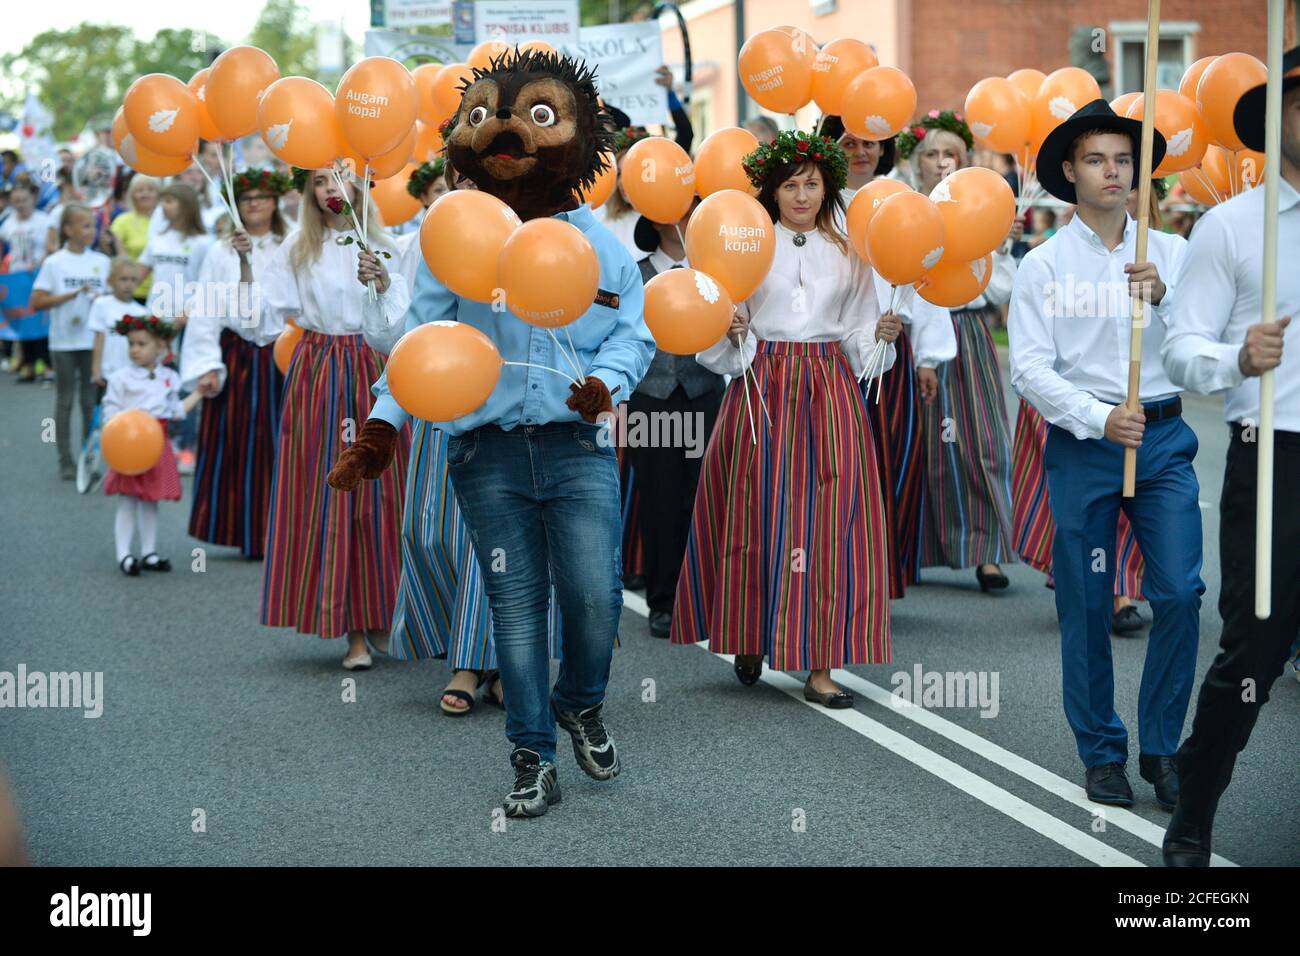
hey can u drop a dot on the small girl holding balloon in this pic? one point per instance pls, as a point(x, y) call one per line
point(149, 386)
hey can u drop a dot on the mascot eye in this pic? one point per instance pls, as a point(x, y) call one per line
point(543, 115)
point(477, 115)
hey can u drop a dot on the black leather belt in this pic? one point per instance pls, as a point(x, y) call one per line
point(1155, 413)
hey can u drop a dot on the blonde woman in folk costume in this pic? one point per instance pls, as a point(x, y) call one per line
point(332, 561)
point(786, 556)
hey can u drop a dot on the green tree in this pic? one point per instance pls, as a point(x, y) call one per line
point(285, 31)
point(182, 53)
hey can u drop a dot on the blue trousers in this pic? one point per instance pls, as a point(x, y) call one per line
point(541, 503)
point(1085, 483)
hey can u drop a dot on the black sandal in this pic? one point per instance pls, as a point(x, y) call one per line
point(832, 700)
point(748, 675)
point(130, 566)
point(159, 564)
point(463, 696)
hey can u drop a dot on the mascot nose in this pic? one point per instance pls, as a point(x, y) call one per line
point(503, 114)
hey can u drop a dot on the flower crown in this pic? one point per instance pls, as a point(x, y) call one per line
point(625, 137)
point(272, 180)
point(298, 178)
point(948, 120)
point(145, 323)
point(793, 148)
point(423, 176)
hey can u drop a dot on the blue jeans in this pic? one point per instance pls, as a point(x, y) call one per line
point(1085, 482)
point(542, 504)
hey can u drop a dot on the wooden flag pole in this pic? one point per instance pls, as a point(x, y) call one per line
point(1138, 319)
point(1268, 313)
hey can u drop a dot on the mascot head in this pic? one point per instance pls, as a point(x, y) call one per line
point(531, 132)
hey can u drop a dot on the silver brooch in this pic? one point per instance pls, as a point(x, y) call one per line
point(799, 239)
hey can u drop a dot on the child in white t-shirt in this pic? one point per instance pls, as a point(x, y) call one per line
point(110, 351)
point(176, 253)
point(66, 285)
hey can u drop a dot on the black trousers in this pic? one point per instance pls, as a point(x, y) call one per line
point(666, 479)
point(1252, 653)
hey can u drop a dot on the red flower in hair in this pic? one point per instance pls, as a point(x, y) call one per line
point(817, 157)
point(918, 132)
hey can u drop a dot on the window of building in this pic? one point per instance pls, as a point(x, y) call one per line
point(1177, 51)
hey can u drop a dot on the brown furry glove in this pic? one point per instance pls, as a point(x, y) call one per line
point(592, 399)
point(368, 458)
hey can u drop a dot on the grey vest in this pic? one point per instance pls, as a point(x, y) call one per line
point(667, 371)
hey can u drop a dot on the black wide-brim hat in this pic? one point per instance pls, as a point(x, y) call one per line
point(1248, 117)
point(645, 234)
point(833, 127)
point(1096, 115)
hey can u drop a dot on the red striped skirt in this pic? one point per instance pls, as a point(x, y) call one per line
point(162, 482)
point(332, 558)
point(1034, 527)
point(238, 435)
point(786, 554)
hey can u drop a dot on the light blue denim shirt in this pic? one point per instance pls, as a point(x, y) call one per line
point(612, 344)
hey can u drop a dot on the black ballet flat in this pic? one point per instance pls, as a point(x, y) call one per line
point(130, 566)
point(832, 700)
point(991, 582)
point(159, 564)
point(748, 675)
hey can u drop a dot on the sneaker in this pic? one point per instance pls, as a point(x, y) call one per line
point(42, 368)
point(185, 462)
point(537, 785)
point(592, 745)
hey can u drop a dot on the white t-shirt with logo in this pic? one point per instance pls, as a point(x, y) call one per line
point(66, 271)
point(105, 312)
point(175, 260)
point(26, 240)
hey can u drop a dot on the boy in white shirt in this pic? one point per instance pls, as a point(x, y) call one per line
point(1070, 336)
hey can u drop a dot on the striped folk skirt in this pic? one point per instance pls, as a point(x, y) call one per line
point(442, 607)
point(332, 558)
point(967, 442)
point(786, 553)
point(896, 429)
point(1034, 526)
point(630, 508)
point(238, 435)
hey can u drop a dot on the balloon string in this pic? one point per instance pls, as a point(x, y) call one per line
point(563, 354)
point(744, 384)
point(1207, 183)
point(228, 172)
point(576, 363)
point(356, 227)
point(758, 394)
point(544, 367)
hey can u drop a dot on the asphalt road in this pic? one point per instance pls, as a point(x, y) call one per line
point(204, 710)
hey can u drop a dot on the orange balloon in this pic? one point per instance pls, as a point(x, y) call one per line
point(905, 237)
point(162, 115)
point(1194, 184)
point(131, 442)
point(428, 143)
point(296, 121)
point(776, 69)
point(604, 185)
point(1028, 81)
point(998, 114)
point(1220, 86)
point(443, 370)
point(718, 161)
point(537, 46)
point(447, 89)
point(686, 311)
point(394, 203)
point(878, 103)
point(1187, 86)
point(954, 283)
point(978, 208)
point(835, 66)
point(659, 179)
point(385, 166)
point(1063, 92)
point(533, 257)
point(150, 163)
point(1179, 122)
point(461, 238)
point(236, 81)
point(1249, 169)
point(1232, 173)
point(119, 131)
point(731, 237)
point(864, 205)
point(487, 51)
point(1121, 103)
point(375, 105)
point(426, 76)
point(198, 85)
point(285, 344)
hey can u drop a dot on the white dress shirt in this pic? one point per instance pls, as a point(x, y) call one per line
point(1220, 293)
point(813, 293)
point(156, 391)
point(1069, 325)
point(929, 326)
point(324, 296)
point(219, 305)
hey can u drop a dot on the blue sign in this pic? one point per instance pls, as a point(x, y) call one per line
point(18, 323)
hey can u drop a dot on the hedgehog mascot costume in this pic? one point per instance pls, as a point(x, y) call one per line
point(535, 477)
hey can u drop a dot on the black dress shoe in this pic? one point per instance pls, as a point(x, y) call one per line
point(748, 674)
point(1160, 773)
point(991, 582)
point(661, 623)
point(1127, 620)
point(1186, 844)
point(634, 582)
point(1108, 784)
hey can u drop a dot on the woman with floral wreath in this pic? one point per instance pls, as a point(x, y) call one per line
point(967, 436)
point(786, 557)
point(220, 358)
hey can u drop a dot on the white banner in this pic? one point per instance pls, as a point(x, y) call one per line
point(414, 13)
point(554, 21)
point(412, 49)
point(626, 56)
